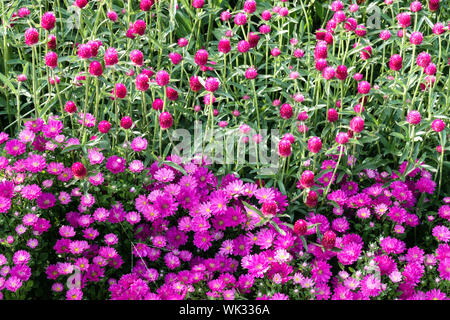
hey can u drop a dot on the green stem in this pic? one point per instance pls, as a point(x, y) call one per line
point(334, 173)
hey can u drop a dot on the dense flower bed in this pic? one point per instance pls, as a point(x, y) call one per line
point(192, 235)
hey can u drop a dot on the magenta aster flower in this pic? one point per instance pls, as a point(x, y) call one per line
point(139, 144)
point(115, 164)
point(35, 163)
point(46, 200)
point(14, 147)
point(31, 192)
point(164, 175)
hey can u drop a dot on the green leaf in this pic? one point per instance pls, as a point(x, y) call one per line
point(8, 83)
point(252, 208)
point(176, 167)
point(277, 228)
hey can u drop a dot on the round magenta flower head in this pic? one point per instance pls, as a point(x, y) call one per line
point(423, 59)
point(299, 53)
point(321, 64)
point(321, 50)
point(126, 122)
point(209, 99)
point(431, 69)
point(139, 27)
point(275, 52)
point(341, 72)
point(289, 136)
point(433, 5)
point(112, 15)
point(51, 59)
point(353, 8)
point(307, 179)
point(329, 240)
point(250, 6)
point(283, 11)
point(79, 170)
point(415, 6)
point(396, 62)
point(251, 73)
point(243, 46)
point(81, 3)
point(302, 116)
point(162, 78)
point(171, 93)
point(286, 111)
point(416, 38)
point(264, 29)
point(182, 42)
point(23, 12)
point(351, 24)
point(146, 5)
point(104, 126)
point(385, 35)
point(212, 84)
point(120, 90)
point(165, 120)
point(95, 68)
point(253, 39)
point(240, 19)
point(94, 44)
point(198, 4)
point(339, 16)
point(84, 51)
point(438, 125)
point(357, 124)
point(284, 148)
point(404, 19)
point(332, 115)
point(48, 21)
point(360, 30)
point(195, 84)
point(311, 199)
point(175, 57)
point(366, 53)
point(438, 28)
point(364, 87)
point(337, 5)
point(413, 117)
point(137, 57)
point(142, 82)
point(314, 144)
point(224, 45)
point(51, 44)
point(111, 57)
point(31, 36)
point(358, 76)
point(429, 81)
point(269, 208)
point(300, 227)
point(201, 57)
point(70, 107)
point(266, 15)
point(21, 77)
point(225, 15)
point(329, 73)
point(158, 104)
point(342, 138)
